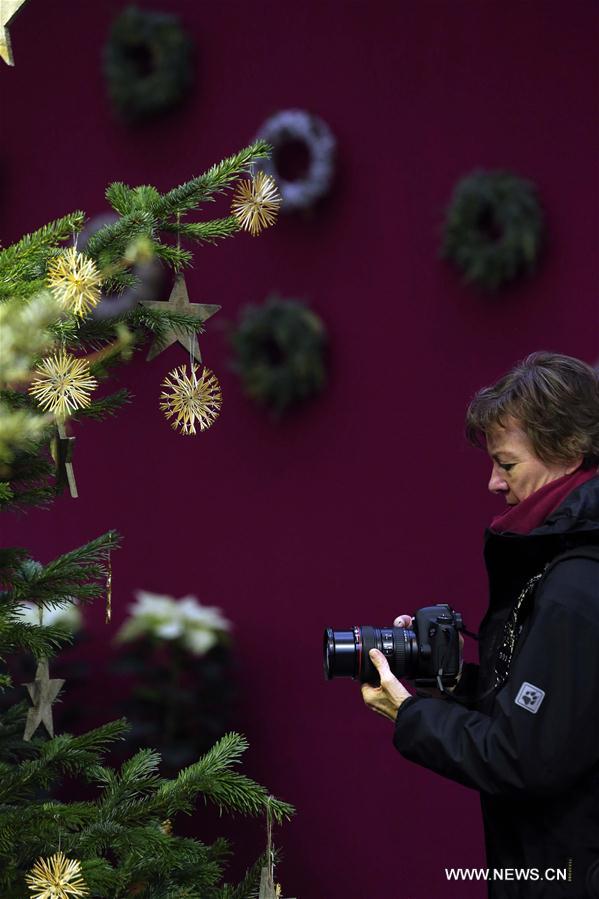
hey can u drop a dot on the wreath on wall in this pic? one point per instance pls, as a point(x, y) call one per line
point(147, 64)
point(295, 126)
point(280, 353)
point(494, 228)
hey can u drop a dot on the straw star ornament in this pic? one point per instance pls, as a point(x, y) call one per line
point(62, 384)
point(256, 203)
point(58, 877)
point(75, 282)
point(188, 400)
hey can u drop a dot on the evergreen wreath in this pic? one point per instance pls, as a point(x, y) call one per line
point(280, 349)
point(494, 228)
point(147, 63)
point(300, 127)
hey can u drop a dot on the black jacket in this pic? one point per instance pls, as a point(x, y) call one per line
point(531, 746)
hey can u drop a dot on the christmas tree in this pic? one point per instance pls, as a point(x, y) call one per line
point(71, 306)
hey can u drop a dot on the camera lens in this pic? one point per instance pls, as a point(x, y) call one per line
point(342, 653)
point(398, 645)
point(346, 652)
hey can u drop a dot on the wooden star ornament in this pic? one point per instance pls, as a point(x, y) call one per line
point(268, 888)
point(179, 302)
point(61, 450)
point(8, 10)
point(43, 692)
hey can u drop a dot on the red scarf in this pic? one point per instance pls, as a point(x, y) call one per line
point(529, 514)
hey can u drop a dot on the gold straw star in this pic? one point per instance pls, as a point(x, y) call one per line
point(58, 877)
point(256, 203)
point(75, 282)
point(190, 399)
point(62, 384)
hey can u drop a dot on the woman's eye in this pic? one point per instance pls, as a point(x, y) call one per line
point(507, 466)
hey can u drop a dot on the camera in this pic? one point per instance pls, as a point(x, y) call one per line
point(428, 654)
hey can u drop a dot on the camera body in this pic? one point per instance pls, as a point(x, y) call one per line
point(423, 653)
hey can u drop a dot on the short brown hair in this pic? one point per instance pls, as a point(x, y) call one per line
point(556, 401)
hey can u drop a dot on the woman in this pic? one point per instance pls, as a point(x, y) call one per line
point(523, 726)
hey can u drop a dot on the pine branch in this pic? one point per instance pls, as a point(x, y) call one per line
point(11, 560)
point(23, 264)
point(23, 282)
point(208, 232)
point(108, 405)
point(199, 190)
point(25, 497)
point(115, 237)
point(75, 573)
point(249, 887)
point(63, 754)
point(176, 257)
point(212, 776)
point(12, 746)
point(65, 330)
point(119, 197)
point(17, 399)
point(28, 476)
point(44, 238)
point(95, 333)
point(138, 777)
point(159, 321)
point(41, 642)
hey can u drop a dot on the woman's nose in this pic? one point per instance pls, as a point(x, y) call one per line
point(497, 483)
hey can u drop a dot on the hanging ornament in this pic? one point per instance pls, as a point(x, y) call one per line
point(179, 302)
point(108, 591)
point(8, 10)
point(268, 889)
point(256, 203)
point(61, 449)
point(188, 399)
point(62, 384)
point(43, 691)
point(75, 281)
point(57, 877)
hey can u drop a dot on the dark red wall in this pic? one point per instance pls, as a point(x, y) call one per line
point(367, 503)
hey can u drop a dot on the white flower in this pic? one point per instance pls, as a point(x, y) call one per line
point(68, 617)
point(199, 642)
point(198, 627)
point(170, 630)
point(202, 616)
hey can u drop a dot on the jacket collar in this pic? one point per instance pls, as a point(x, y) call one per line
point(512, 558)
point(579, 512)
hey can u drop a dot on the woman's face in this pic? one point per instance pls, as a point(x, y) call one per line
point(517, 471)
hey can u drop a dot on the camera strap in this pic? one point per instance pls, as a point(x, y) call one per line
point(470, 633)
point(520, 611)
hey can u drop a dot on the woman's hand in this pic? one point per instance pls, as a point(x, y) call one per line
point(387, 698)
